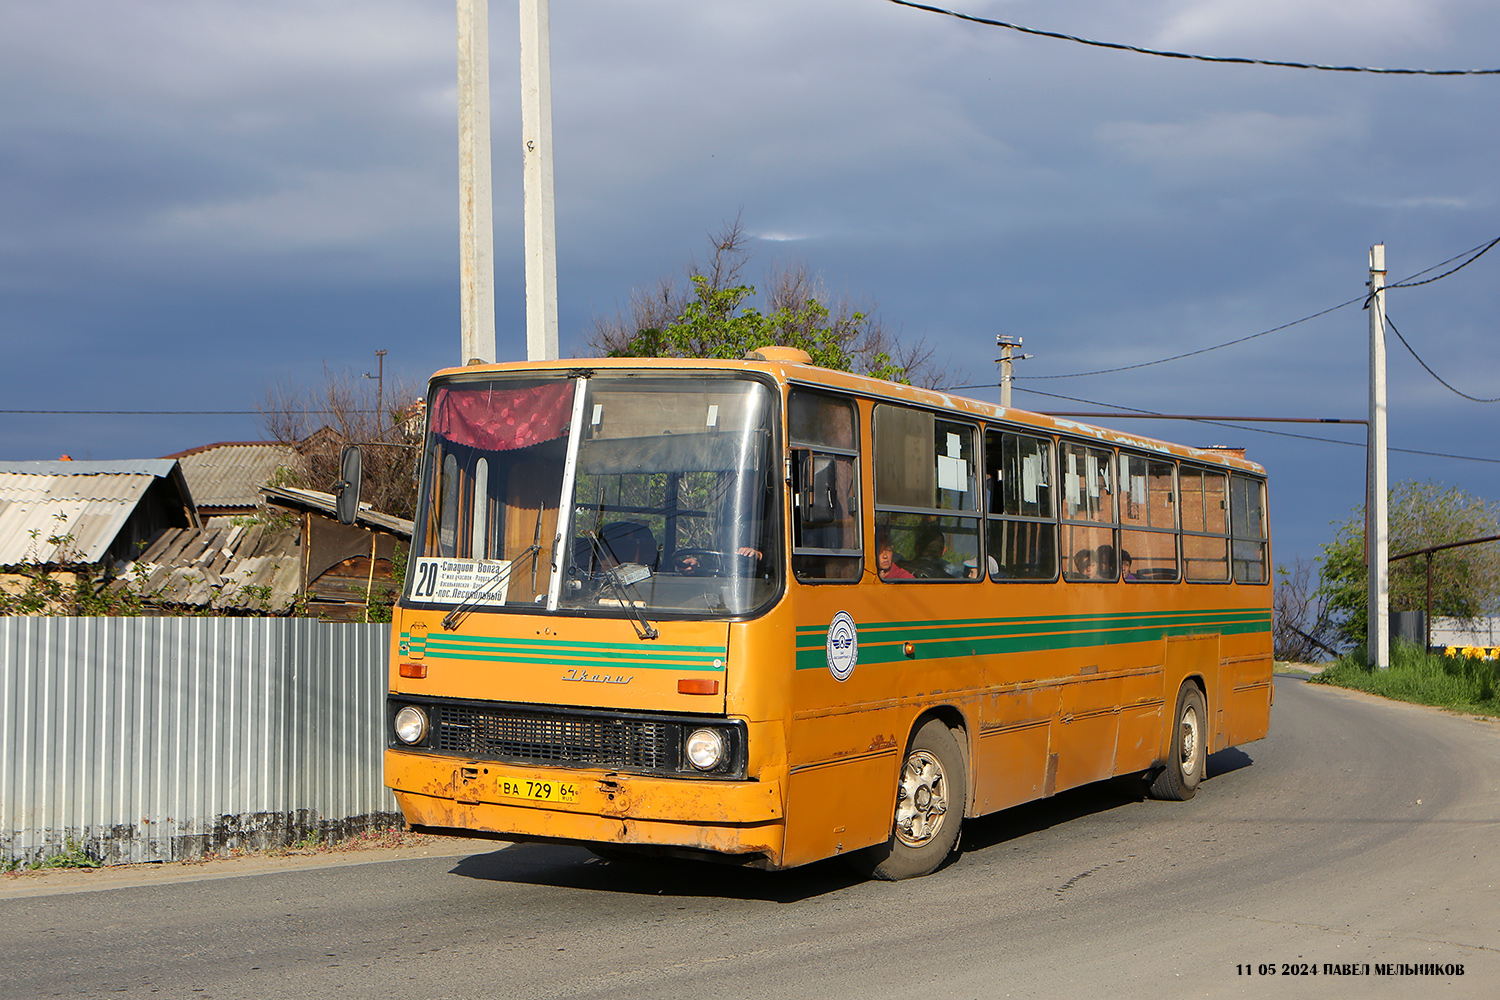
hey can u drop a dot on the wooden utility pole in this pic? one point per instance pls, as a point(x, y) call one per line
point(1377, 533)
point(475, 205)
point(536, 151)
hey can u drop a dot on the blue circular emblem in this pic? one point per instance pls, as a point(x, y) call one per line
point(843, 646)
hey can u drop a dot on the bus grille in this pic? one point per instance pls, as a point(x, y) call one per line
point(539, 737)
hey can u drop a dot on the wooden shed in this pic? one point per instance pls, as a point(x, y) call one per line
point(342, 564)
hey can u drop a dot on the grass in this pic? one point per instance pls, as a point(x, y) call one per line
point(1461, 683)
point(72, 855)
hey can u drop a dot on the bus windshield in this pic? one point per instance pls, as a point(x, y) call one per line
point(672, 485)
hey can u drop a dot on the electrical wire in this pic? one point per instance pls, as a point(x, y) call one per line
point(1482, 249)
point(1166, 54)
point(1175, 357)
point(1434, 374)
point(1258, 430)
point(1201, 350)
point(1473, 253)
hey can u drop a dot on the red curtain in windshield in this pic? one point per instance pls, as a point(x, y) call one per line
point(496, 418)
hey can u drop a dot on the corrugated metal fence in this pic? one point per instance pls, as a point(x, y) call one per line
point(156, 739)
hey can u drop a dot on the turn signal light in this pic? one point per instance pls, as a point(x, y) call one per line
point(697, 685)
point(417, 670)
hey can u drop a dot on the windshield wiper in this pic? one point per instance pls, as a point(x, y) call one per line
point(643, 628)
point(502, 575)
point(483, 590)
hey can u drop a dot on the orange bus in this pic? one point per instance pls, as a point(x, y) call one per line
point(765, 612)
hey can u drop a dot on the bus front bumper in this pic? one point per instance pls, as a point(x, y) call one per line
point(726, 817)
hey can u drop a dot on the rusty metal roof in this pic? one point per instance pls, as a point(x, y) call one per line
point(327, 503)
point(230, 564)
point(71, 512)
point(231, 473)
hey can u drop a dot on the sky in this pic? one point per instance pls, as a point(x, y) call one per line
point(204, 199)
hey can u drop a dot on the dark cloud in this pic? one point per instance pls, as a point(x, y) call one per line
point(197, 200)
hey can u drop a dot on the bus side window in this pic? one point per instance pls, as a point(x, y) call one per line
point(927, 495)
point(1248, 529)
point(816, 500)
point(1089, 539)
point(1148, 520)
point(1205, 506)
point(1021, 521)
point(827, 539)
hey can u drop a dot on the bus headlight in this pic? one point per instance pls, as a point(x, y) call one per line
point(411, 725)
point(705, 749)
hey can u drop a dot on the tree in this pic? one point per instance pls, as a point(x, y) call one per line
point(1302, 626)
point(1465, 581)
point(713, 319)
point(347, 410)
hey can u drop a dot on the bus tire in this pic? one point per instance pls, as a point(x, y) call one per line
point(929, 809)
point(1187, 762)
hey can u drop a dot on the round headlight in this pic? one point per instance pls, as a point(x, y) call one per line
point(705, 749)
point(411, 724)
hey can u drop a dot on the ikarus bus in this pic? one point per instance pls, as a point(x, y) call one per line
point(767, 613)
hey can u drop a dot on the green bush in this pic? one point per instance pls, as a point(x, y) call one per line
point(1457, 682)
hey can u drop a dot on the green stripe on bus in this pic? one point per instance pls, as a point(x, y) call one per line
point(569, 644)
point(610, 663)
point(884, 642)
point(1122, 616)
point(573, 654)
point(928, 632)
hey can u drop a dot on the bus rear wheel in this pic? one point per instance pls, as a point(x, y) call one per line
point(1187, 762)
point(929, 809)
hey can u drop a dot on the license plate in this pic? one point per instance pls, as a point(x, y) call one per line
point(539, 791)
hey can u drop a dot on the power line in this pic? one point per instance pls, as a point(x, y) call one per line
point(1216, 423)
point(1473, 253)
point(1482, 249)
point(1434, 374)
point(1178, 357)
point(1201, 350)
point(1166, 54)
point(1257, 430)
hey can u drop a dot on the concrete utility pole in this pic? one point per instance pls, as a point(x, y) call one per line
point(475, 212)
point(1377, 536)
point(536, 152)
point(379, 378)
point(1007, 347)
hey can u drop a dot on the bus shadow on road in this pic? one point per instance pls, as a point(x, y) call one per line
point(1077, 803)
point(576, 868)
point(1225, 761)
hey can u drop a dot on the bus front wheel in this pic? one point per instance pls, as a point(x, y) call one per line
point(929, 809)
point(1188, 760)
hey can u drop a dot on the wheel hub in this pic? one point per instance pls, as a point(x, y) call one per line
point(1189, 760)
point(922, 801)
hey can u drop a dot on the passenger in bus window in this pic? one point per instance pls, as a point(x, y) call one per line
point(1105, 562)
point(1126, 572)
point(885, 560)
point(1083, 564)
point(971, 568)
point(932, 547)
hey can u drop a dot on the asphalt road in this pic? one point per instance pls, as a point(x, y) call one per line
point(1360, 831)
